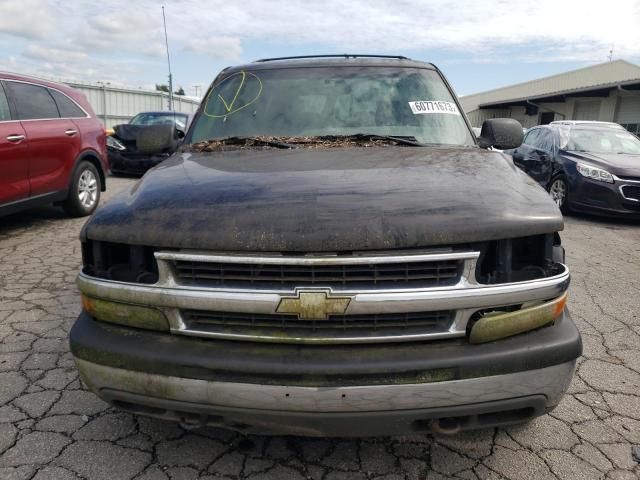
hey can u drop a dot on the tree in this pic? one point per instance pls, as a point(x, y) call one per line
point(162, 88)
point(180, 91)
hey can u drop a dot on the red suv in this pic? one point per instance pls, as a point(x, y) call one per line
point(52, 147)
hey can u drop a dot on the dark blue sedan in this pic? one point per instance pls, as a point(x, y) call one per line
point(586, 166)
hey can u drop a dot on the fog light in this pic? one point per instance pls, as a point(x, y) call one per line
point(125, 314)
point(494, 326)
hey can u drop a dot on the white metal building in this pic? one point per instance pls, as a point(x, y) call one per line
point(114, 105)
point(607, 92)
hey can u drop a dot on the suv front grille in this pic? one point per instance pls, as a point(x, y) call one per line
point(336, 327)
point(425, 273)
point(631, 192)
point(359, 297)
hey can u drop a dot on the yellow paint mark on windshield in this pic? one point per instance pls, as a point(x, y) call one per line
point(229, 107)
point(232, 107)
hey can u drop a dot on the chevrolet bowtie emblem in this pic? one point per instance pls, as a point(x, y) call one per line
point(313, 305)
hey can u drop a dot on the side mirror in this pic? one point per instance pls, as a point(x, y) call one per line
point(501, 133)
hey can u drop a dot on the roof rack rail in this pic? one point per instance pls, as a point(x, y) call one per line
point(345, 55)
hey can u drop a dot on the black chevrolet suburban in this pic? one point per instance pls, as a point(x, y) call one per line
point(330, 252)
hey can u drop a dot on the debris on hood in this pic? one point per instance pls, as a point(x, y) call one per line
point(314, 142)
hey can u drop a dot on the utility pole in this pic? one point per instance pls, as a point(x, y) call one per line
point(103, 87)
point(197, 89)
point(166, 41)
point(610, 54)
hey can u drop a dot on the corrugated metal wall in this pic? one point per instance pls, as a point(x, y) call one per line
point(587, 110)
point(117, 105)
point(476, 117)
point(620, 107)
point(629, 110)
point(604, 73)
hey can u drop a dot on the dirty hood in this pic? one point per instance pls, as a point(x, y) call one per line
point(308, 200)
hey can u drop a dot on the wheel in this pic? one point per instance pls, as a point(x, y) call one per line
point(559, 191)
point(84, 194)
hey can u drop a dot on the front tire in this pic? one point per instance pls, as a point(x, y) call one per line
point(84, 194)
point(559, 191)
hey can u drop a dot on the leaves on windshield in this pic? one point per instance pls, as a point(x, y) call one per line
point(241, 143)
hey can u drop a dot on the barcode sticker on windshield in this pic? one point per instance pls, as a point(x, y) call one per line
point(433, 106)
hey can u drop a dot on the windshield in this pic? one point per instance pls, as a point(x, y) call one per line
point(297, 102)
point(599, 140)
point(160, 119)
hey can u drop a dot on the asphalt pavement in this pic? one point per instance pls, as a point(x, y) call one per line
point(52, 428)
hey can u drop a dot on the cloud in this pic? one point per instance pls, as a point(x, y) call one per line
point(217, 48)
point(382, 26)
point(125, 38)
point(44, 53)
point(125, 30)
point(26, 18)
point(62, 65)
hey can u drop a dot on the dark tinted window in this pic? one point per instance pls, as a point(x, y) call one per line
point(5, 114)
point(601, 140)
point(149, 118)
point(632, 127)
point(531, 137)
point(67, 108)
point(545, 140)
point(32, 101)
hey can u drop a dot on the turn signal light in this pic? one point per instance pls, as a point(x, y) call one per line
point(494, 326)
point(125, 314)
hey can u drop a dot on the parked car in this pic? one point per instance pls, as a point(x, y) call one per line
point(330, 253)
point(148, 139)
point(179, 119)
point(52, 147)
point(585, 165)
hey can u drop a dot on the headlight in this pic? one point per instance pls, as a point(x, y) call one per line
point(115, 144)
point(594, 173)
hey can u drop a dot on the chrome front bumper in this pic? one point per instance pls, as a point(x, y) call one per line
point(480, 402)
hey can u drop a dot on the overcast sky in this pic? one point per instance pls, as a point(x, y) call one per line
point(479, 44)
